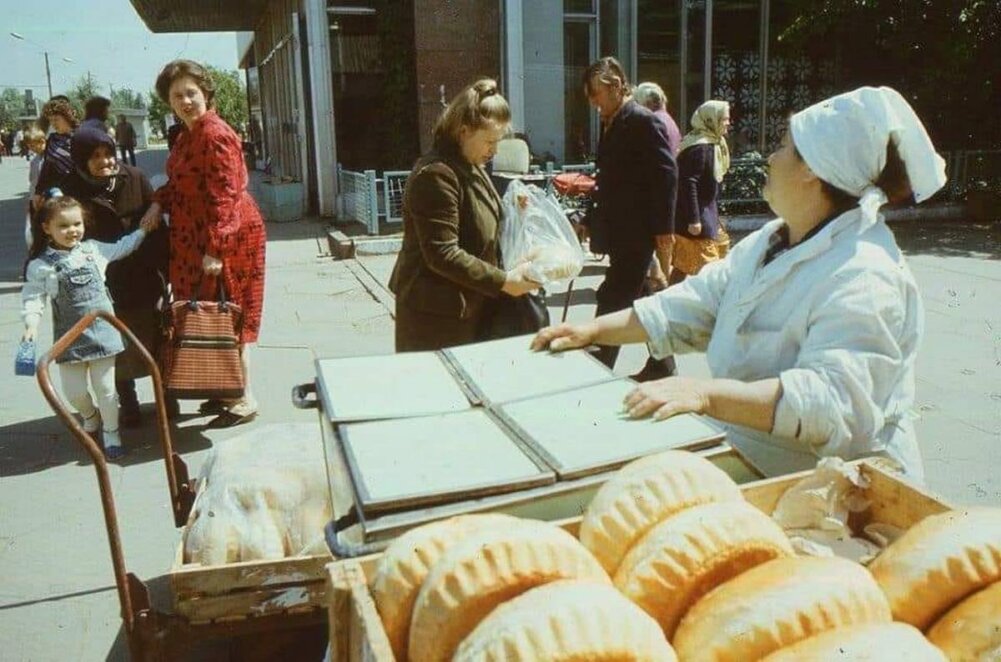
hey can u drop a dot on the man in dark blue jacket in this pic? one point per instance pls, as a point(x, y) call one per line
point(634, 199)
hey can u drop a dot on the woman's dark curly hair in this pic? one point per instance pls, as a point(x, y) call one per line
point(60, 106)
point(179, 68)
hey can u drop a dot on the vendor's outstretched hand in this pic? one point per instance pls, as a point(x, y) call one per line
point(563, 337)
point(667, 397)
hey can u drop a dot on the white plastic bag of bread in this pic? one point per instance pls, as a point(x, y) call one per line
point(971, 631)
point(484, 570)
point(259, 502)
point(877, 642)
point(567, 621)
point(646, 492)
point(939, 562)
point(694, 551)
point(778, 604)
point(535, 231)
point(405, 565)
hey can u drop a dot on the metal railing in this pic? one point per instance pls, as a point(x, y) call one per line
point(370, 199)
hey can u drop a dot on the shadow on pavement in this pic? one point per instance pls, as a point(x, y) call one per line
point(32, 446)
point(957, 239)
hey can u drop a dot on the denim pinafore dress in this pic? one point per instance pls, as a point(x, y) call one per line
point(82, 290)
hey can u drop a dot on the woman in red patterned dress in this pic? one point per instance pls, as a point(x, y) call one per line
point(216, 228)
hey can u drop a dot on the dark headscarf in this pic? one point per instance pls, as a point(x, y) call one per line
point(86, 140)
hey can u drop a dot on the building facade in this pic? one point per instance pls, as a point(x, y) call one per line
point(361, 82)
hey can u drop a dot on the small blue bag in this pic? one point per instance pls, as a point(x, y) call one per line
point(24, 364)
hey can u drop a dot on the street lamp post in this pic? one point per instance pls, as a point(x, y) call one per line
point(48, 74)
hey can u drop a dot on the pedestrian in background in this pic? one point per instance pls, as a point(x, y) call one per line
point(700, 237)
point(636, 184)
point(58, 113)
point(125, 135)
point(216, 229)
point(114, 198)
point(36, 145)
point(447, 270)
point(651, 96)
point(96, 113)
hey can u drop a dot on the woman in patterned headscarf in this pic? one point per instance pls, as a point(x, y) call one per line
point(703, 160)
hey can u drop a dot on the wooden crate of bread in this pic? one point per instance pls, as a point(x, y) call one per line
point(248, 588)
point(357, 633)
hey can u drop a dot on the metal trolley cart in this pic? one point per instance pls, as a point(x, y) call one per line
point(258, 598)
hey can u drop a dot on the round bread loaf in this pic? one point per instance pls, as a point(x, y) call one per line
point(646, 492)
point(406, 563)
point(777, 604)
point(485, 569)
point(877, 642)
point(567, 621)
point(972, 629)
point(938, 562)
point(694, 551)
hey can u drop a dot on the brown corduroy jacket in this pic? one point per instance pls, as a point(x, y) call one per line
point(448, 264)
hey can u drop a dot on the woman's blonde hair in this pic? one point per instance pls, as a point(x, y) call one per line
point(35, 137)
point(474, 107)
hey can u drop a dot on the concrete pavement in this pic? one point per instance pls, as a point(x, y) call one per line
point(57, 598)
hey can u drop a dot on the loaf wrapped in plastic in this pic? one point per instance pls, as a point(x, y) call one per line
point(262, 496)
point(535, 230)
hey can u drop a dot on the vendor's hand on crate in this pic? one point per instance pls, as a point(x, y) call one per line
point(665, 398)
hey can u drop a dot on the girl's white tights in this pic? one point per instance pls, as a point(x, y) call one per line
point(102, 379)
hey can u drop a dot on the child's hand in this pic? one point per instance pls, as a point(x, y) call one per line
point(695, 228)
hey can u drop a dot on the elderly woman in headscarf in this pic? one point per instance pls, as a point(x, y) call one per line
point(811, 325)
point(703, 160)
point(114, 197)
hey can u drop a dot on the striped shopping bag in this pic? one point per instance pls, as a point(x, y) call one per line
point(201, 355)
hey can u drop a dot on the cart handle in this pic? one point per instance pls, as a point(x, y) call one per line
point(181, 492)
point(300, 399)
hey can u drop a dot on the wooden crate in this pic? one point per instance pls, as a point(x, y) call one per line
point(357, 635)
point(248, 589)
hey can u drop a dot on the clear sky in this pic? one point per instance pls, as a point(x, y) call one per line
point(105, 37)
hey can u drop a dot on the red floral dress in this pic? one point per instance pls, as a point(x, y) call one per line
point(211, 212)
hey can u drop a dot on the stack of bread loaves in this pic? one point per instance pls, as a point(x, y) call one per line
point(944, 577)
point(493, 587)
point(721, 577)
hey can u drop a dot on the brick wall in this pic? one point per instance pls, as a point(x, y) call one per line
point(456, 41)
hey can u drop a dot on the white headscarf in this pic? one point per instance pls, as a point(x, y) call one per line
point(707, 129)
point(843, 140)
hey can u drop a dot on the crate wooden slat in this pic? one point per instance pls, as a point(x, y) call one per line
point(356, 632)
point(256, 603)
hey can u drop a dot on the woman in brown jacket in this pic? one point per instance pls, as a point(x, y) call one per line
point(447, 269)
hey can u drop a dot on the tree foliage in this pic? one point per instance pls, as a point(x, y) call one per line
point(12, 104)
point(127, 98)
point(943, 55)
point(230, 100)
point(84, 89)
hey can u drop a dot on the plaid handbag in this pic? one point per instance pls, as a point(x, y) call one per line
point(201, 349)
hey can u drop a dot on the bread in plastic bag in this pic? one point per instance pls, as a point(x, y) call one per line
point(535, 230)
point(261, 496)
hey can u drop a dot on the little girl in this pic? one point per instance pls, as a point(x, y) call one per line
point(70, 271)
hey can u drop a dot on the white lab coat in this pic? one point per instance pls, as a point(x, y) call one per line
point(838, 319)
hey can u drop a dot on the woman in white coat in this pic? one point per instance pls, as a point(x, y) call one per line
point(811, 325)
